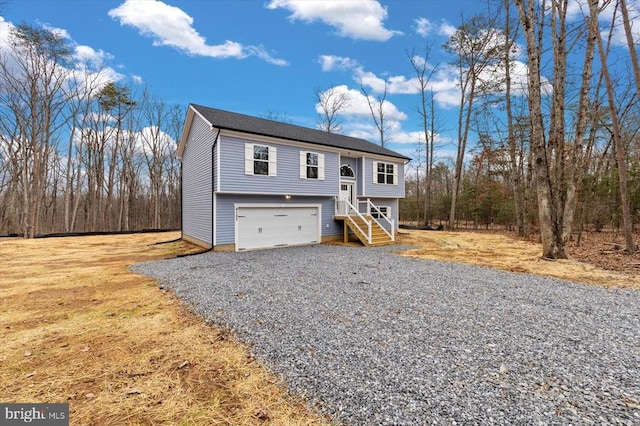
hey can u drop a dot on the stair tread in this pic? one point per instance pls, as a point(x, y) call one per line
point(379, 235)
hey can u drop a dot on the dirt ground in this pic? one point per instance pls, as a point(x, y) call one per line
point(598, 260)
point(77, 326)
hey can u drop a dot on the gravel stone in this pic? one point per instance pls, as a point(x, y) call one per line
point(373, 338)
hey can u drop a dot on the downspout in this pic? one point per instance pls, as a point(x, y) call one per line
point(213, 213)
point(213, 148)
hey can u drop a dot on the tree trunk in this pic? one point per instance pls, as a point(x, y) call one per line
point(576, 169)
point(617, 139)
point(630, 43)
point(511, 138)
point(552, 247)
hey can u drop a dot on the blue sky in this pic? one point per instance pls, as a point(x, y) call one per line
point(260, 56)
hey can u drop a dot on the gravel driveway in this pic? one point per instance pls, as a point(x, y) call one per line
point(373, 338)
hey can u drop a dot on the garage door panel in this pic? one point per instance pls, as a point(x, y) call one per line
point(263, 227)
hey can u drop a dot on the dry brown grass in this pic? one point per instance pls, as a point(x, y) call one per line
point(504, 252)
point(78, 327)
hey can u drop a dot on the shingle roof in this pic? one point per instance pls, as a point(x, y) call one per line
point(260, 126)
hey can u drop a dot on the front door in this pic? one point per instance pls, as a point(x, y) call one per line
point(346, 194)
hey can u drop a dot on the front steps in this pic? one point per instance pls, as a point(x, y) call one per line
point(359, 227)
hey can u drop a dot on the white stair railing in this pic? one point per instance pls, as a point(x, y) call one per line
point(349, 211)
point(392, 228)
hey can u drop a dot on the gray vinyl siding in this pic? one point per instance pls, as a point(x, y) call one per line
point(225, 213)
point(383, 190)
point(360, 181)
point(392, 204)
point(197, 181)
point(287, 181)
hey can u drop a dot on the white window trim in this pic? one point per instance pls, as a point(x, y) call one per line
point(350, 168)
point(385, 210)
point(303, 165)
point(249, 160)
point(375, 173)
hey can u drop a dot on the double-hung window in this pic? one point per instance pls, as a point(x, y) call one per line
point(259, 160)
point(311, 165)
point(385, 173)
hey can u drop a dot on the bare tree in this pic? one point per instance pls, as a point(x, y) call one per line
point(630, 43)
point(34, 72)
point(376, 106)
point(616, 131)
point(512, 145)
point(477, 47)
point(156, 147)
point(424, 72)
point(331, 102)
point(282, 117)
point(556, 175)
point(70, 148)
point(115, 100)
point(81, 87)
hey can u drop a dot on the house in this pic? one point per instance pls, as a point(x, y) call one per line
point(250, 183)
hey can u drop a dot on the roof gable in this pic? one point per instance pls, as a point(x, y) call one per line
point(260, 126)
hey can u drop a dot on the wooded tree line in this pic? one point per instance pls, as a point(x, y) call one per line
point(79, 152)
point(557, 147)
point(555, 137)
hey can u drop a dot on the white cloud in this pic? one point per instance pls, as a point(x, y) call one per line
point(407, 137)
point(619, 35)
point(447, 98)
point(446, 29)
point(136, 79)
point(424, 27)
point(5, 27)
point(369, 79)
point(579, 10)
point(261, 53)
point(402, 85)
point(332, 63)
point(397, 84)
point(357, 19)
point(358, 105)
point(90, 65)
point(415, 137)
point(60, 32)
point(358, 121)
point(171, 26)
point(91, 57)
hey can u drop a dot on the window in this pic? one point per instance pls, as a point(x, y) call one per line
point(311, 165)
point(384, 173)
point(259, 160)
point(346, 171)
point(382, 211)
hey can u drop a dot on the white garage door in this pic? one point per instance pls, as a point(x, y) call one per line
point(263, 227)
